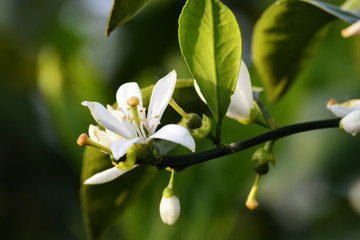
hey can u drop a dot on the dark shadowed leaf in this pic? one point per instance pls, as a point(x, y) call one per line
point(122, 11)
point(285, 38)
point(102, 204)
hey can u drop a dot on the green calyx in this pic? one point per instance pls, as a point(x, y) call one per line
point(264, 156)
point(129, 162)
point(169, 190)
point(202, 130)
point(194, 121)
point(137, 151)
point(252, 117)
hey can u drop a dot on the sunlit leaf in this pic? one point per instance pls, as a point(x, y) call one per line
point(283, 40)
point(122, 11)
point(102, 204)
point(210, 43)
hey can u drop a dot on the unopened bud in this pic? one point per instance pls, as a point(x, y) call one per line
point(133, 101)
point(169, 209)
point(351, 123)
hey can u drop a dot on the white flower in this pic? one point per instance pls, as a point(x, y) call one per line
point(105, 138)
point(241, 107)
point(123, 129)
point(351, 122)
point(343, 109)
point(349, 112)
point(169, 209)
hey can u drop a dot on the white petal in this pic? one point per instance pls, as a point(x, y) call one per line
point(177, 134)
point(169, 209)
point(127, 127)
point(351, 122)
point(120, 147)
point(127, 91)
point(244, 84)
point(197, 89)
point(107, 175)
point(105, 118)
point(160, 97)
point(242, 99)
point(99, 136)
point(113, 136)
point(341, 110)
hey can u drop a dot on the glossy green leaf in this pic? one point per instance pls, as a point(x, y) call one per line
point(284, 38)
point(122, 11)
point(210, 43)
point(102, 204)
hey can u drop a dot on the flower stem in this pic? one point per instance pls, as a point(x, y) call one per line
point(183, 161)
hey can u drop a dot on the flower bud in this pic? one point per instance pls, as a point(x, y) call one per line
point(169, 209)
point(351, 122)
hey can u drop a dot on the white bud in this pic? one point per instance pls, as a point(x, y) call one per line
point(351, 122)
point(169, 209)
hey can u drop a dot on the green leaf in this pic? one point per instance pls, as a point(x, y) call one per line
point(122, 11)
point(102, 204)
point(284, 38)
point(210, 43)
point(352, 6)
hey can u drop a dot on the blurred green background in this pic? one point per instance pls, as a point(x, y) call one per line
point(54, 54)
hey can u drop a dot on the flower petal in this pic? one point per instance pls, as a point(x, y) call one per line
point(106, 119)
point(125, 92)
point(128, 128)
point(343, 109)
point(351, 122)
point(160, 98)
point(242, 99)
point(120, 147)
point(177, 134)
point(106, 176)
point(197, 89)
point(99, 136)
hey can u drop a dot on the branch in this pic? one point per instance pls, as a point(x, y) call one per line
point(182, 161)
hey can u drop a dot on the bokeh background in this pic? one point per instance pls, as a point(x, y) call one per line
point(54, 54)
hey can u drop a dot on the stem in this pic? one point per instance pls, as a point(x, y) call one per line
point(183, 161)
point(171, 182)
